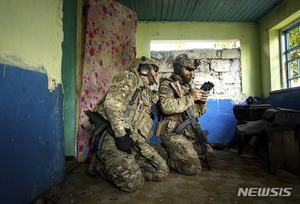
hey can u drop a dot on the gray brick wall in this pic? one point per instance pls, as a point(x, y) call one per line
point(222, 67)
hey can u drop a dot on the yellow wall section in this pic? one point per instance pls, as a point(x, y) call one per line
point(247, 34)
point(270, 34)
point(31, 35)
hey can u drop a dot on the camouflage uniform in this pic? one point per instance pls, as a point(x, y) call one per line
point(184, 153)
point(128, 171)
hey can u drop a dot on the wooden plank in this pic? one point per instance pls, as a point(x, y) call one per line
point(259, 13)
point(230, 11)
point(158, 10)
point(235, 10)
point(131, 5)
point(171, 6)
point(209, 10)
point(215, 14)
point(123, 2)
point(150, 10)
point(179, 9)
point(191, 4)
point(81, 25)
point(291, 151)
point(276, 157)
point(247, 15)
point(228, 6)
point(199, 10)
point(283, 148)
point(142, 11)
point(137, 9)
point(142, 16)
point(164, 10)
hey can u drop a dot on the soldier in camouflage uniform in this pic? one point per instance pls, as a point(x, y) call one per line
point(183, 152)
point(116, 161)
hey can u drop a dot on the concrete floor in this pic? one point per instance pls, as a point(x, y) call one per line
point(220, 185)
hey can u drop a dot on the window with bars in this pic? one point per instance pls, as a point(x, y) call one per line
point(291, 56)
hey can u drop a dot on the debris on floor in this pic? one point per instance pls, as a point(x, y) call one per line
point(226, 183)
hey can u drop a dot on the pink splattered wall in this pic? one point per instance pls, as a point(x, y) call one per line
point(110, 42)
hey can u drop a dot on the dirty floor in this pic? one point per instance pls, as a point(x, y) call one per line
point(220, 185)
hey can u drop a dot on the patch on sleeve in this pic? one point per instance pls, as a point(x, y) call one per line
point(164, 90)
point(120, 77)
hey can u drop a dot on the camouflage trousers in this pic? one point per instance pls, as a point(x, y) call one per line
point(184, 154)
point(127, 171)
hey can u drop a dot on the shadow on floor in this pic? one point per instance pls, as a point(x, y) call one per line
point(221, 185)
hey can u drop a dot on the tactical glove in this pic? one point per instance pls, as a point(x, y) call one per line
point(123, 143)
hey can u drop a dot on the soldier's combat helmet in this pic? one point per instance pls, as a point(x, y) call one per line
point(142, 66)
point(183, 60)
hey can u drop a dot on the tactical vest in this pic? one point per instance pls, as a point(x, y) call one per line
point(137, 115)
point(172, 121)
point(186, 90)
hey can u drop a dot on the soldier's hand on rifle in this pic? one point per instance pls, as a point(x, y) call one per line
point(197, 94)
point(123, 143)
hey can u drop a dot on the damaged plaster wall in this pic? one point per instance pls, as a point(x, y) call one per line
point(221, 67)
point(32, 130)
point(32, 42)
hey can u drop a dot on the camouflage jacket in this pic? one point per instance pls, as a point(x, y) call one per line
point(172, 106)
point(116, 101)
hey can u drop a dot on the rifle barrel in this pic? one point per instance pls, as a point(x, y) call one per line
point(137, 149)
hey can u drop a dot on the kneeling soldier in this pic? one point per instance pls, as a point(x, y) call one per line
point(121, 154)
point(180, 106)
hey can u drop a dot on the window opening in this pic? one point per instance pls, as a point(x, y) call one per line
point(291, 56)
point(220, 62)
point(159, 45)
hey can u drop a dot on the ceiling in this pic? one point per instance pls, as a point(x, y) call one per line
point(243, 11)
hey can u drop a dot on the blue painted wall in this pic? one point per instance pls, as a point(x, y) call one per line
point(32, 135)
point(219, 120)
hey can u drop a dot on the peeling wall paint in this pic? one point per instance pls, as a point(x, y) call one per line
point(31, 119)
point(31, 35)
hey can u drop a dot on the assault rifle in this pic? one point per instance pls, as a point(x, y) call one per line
point(138, 149)
point(135, 146)
point(102, 127)
point(190, 119)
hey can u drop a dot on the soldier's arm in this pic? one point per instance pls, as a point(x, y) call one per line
point(169, 104)
point(200, 107)
point(203, 108)
point(203, 103)
point(115, 103)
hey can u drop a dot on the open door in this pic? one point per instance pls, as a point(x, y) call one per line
point(110, 41)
